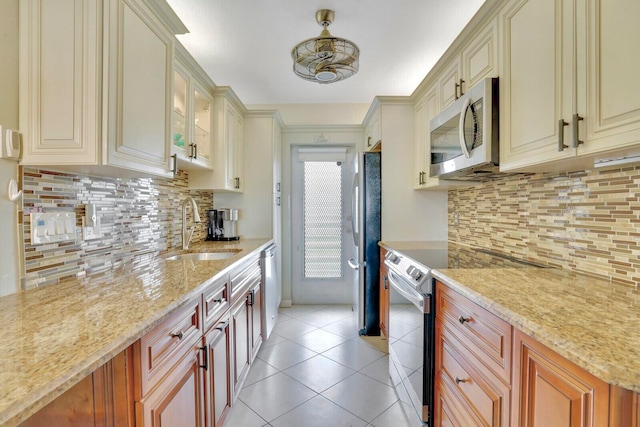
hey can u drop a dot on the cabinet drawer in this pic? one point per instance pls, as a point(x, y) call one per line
point(162, 348)
point(486, 396)
point(245, 278)
point(449, 408)
point(215, 301)
point(483, 333)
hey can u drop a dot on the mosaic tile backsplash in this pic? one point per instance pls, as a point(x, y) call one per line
point(139, 217)
point(584, 221)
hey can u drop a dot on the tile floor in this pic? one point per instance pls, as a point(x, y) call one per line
point(316, 371)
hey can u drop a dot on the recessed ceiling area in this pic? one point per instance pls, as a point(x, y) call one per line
point(247, 44)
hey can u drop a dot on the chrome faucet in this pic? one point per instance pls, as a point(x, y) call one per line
point(186, 239)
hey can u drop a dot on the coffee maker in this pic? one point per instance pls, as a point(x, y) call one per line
point(222, 224)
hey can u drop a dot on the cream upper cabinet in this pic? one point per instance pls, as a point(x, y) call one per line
point(480, 57)
point(192, 123)
point(228, 145)
point(420, 143)
point(95, 82)
point(565, 93)
point(139, 77)
point(234, 148)
point(372, 137)
point(476, 59)
point(537, 94)
point(612, 112)
point(60, 61)
point(450, 83)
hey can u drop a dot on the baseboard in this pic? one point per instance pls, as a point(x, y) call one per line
point(285, 303)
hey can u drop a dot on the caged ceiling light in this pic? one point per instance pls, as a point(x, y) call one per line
point(325, 59)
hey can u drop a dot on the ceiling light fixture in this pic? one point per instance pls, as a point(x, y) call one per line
point(325, 59)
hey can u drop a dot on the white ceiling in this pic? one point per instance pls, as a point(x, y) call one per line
point(246, 44)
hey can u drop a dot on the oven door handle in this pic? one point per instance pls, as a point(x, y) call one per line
point(416, 298)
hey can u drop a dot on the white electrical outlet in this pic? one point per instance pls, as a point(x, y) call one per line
point(91, 233)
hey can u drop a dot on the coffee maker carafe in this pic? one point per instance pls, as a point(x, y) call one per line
point(222, 224)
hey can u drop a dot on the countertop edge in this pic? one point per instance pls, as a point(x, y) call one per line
point(21, 409)
point(602, 369)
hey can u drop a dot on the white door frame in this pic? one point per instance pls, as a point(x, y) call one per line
point(320, 291)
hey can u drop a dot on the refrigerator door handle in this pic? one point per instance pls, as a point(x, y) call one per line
point(353, 264)
point(354, 210)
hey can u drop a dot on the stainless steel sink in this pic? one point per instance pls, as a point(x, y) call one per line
point(202, 256)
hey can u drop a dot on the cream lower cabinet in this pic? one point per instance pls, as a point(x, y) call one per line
point(95, 84)
point(565, 94)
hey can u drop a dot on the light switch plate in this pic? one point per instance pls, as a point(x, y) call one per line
point(52, 227)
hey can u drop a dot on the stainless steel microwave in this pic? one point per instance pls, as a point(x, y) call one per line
point(464, 137)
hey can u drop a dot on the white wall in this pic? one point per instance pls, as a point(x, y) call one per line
point(407, 214)
point(318, 114)
point(9, 249)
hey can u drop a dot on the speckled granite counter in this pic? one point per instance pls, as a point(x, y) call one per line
point(56, 335)
point(589, 321)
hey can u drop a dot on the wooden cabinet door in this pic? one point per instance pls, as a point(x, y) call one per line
point(218, 342)
point(255, 302)
point(139, 77)
point(463, 385)
point(179, 400)
point(536, 84)
point(549, 391)
point(612, 114)
point(60, 51)
point(240, 316)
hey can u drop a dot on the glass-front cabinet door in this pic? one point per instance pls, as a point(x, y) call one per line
point(180, 110)
point(192, 119)
point(202, 124)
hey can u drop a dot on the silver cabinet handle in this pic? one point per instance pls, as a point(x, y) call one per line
point(561, 144)
point(174, 170)
point(576, 130)
point(459, 85)
point(353, 264)
point(463, 319)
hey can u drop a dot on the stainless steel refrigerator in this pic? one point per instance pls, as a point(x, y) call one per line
point(366, 224)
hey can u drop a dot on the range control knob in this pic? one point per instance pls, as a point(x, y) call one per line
point(415, 273)
point(393, 258)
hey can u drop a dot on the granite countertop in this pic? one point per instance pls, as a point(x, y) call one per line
point(56, 335)
point(590, 321)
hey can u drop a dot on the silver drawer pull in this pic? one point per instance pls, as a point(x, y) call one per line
point(460, 380)
point(179, 335)
point(463, 319)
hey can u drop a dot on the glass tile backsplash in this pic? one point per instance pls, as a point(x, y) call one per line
point(587, 221)
point(138, 217)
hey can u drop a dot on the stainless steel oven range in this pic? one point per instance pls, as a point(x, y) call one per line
point(411, 334)
point(411, 323)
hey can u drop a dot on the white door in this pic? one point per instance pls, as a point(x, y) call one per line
point(321, 225)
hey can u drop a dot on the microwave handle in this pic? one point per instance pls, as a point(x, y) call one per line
point(463, 114)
